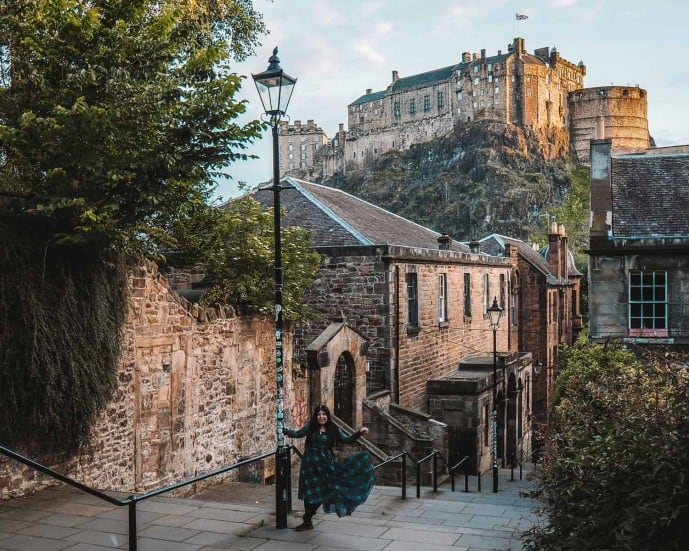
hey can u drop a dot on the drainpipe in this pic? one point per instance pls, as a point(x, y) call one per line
point(396, 381)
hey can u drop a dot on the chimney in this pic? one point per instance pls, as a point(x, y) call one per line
point(554, 255)
point(297, 125)
point(466, 57)
point(499, 52)
point(368, 91)
point(601, 194)
point(519, 46)
point(475, 56)
point(475, 247)
point(444, 241)
point(395, 76)
point(483, 53)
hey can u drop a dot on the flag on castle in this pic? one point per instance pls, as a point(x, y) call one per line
point(519, 16)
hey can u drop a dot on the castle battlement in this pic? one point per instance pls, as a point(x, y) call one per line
point(533, 90)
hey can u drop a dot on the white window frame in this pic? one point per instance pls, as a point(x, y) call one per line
point(442, 297)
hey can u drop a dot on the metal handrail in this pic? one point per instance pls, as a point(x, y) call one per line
point(132, 500)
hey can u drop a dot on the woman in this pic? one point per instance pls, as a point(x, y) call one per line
point(338, 486)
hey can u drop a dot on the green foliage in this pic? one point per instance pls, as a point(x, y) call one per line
point(61, 313)
point(616, 465)
point(574, 214)
point(235, 245)
point(113, 113)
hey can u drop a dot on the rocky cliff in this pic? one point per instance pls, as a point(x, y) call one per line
point(485, 177)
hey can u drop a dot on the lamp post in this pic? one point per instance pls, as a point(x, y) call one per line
point(275, 90)
point(494, 315)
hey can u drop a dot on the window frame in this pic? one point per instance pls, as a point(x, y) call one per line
point(442, 297)
point(412, 281)
point(467, 294)
point(647, 303)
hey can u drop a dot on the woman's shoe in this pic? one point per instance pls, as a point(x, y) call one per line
point(304, 526)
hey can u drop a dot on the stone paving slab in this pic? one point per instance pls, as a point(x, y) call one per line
point(241, 517)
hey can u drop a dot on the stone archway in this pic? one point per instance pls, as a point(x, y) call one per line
point(339, 345)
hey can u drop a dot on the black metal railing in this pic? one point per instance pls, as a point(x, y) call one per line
point(132, 500)
point(434, 455)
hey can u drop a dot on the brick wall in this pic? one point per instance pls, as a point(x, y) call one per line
point(196, 392)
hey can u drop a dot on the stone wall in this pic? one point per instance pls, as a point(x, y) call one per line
point(196, 392)
point(618, 113)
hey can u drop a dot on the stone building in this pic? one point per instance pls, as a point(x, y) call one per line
point(418, 297)
point(540, 90)
point(298, 146)
point(639, 246)
point(546, 312)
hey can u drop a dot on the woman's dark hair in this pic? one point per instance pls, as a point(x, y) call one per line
point(330, 427)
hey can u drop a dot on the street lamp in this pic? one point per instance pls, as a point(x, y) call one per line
point(494, 315)
point(275, 90)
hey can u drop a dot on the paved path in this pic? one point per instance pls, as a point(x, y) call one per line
point(241, 517)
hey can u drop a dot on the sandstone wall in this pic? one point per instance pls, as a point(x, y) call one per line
point(196, 392)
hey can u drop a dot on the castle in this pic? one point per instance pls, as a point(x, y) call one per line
point(540, 91)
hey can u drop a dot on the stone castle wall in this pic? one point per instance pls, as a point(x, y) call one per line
point(196, 392)
point(619, 113)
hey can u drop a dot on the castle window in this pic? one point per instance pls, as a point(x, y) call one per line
point(396, 109)
point(482, 103)
point(497, 89)
point(475, 68)
point(426, 102)
point(441, 100)
point(475, 105)
point(490, 67)
point(412, 106)
point(476, 80)
point(490, 78)
point(483, 92)
point(459, 94)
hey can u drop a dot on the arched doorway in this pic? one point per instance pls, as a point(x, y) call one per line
point(344, 388)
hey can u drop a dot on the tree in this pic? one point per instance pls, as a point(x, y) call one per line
point(115, 118)
point(235, 246)
point(615, 473)
point(114, 113)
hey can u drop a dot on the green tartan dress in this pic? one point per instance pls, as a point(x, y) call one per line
point(340, 486)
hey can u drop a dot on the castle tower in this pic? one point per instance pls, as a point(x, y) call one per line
point(616, 113)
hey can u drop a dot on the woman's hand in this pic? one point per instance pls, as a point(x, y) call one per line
point(363, 431)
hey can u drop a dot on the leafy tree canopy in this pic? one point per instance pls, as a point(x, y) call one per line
point(235, 245)
point(114, 113)
point(616, 467)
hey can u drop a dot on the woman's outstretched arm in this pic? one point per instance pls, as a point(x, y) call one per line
point(299, 433)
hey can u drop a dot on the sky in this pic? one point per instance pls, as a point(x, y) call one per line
point(339, 48)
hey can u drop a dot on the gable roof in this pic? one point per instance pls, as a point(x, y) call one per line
point(494, 245)
point(650, 195)
point(339, 219)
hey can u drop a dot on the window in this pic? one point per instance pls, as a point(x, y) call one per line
point(396, 109)
point(486, 292)
point(490, 78)
point(490, 67)
point(412, 106)
point(476, 81)
point(441, 100)
point(467, 294)
point(459, 94)
point(648, 303)
point(502, 291)
point(412, 300)
point(442, 297)
point(475, 68)
point(497, 89)
point(426, 103)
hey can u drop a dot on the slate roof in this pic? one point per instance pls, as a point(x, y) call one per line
point(423, 79)
point(650, 195)
point(339, 219)
point(494, 245)
point(369, 97)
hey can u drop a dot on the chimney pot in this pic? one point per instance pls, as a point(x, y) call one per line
point(444, 241)
point(475, 247)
